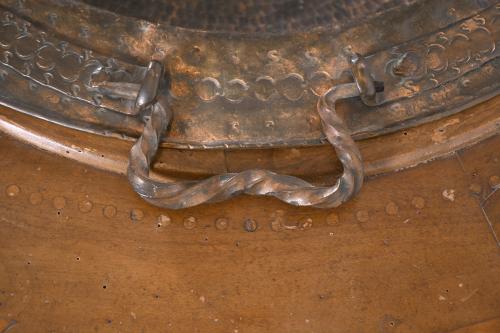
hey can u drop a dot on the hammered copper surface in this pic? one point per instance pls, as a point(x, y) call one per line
point(233, 89)
point(277, 16)
point(292, 190)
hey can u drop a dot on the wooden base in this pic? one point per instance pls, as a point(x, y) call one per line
point(416, 251)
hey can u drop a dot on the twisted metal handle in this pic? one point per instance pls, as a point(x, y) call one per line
point(182, 194)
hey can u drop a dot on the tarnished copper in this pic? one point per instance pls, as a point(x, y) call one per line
point(239, 84)
point(233, 88)
point(183, 194)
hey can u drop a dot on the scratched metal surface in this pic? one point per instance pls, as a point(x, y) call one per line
point(275, 16)
point(231, 89)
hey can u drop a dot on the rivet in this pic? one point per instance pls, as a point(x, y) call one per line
point(269, 123)
point(36, 198)
point(494, 181)
point(221, 223)
point(12, 190)
point(305, 223)
point(59, 202)
point(449, 194)
point(235, 126)
point(163, 220)
point(109, 211)
point(391, 208)
point(332, 219)
point(136, 214)
point(362, 216)
point(190, 222)
point(418, 202)
point(273, 55)
point(85, 206)
point(250, 225)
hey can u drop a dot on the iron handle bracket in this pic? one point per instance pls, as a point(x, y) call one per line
point(292, 190)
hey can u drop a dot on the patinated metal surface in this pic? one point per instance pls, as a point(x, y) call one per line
point(256, 16)
point(237, 89)
point(226, 87)
point(295, 191)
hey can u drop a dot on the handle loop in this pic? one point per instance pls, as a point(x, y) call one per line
point(182, 194)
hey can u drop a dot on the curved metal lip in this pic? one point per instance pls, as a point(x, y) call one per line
point(247, 145)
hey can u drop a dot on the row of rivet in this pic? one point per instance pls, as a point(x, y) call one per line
point(278, 220)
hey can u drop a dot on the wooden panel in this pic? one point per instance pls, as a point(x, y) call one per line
point(482, 167)
point(80, 252)
point(487, 326)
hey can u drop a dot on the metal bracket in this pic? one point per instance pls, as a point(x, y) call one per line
point(292, 190)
